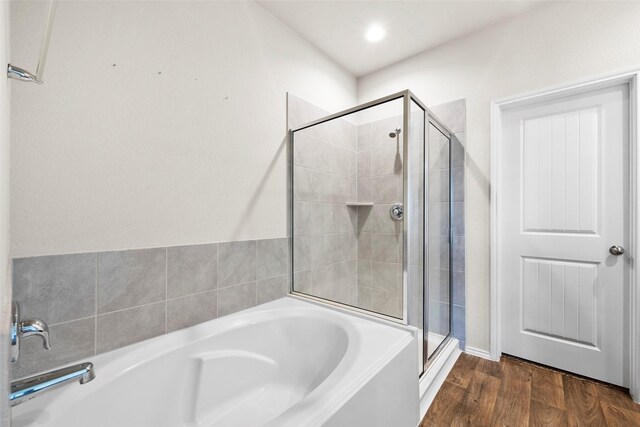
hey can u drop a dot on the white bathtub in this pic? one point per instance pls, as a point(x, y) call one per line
point(285, 363)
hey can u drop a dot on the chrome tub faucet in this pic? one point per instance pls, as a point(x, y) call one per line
point(24, 329)
point(28, 388)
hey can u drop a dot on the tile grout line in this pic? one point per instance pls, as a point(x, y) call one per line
point(72, 320)
point(217, 280)
point(191, 295)
point(131, 308)
point(166, 287)
point(215, 289)
point(95, 313)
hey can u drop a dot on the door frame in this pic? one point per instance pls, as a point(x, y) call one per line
point(498, 108)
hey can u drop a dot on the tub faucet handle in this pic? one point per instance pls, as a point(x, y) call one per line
point(36, 327)
point(26, 328)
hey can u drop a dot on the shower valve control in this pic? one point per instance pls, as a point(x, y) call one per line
point(397, 212)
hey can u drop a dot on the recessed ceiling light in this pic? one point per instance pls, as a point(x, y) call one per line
point(375, 33)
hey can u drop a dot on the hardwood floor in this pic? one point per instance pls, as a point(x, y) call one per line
point(479, 392)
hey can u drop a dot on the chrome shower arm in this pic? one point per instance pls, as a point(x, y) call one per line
point(21, 74)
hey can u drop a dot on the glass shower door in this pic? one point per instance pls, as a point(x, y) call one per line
point(438, 296)
point(371, 208)
point(348, 208)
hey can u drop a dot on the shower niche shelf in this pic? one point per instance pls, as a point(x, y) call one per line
point(358, 204)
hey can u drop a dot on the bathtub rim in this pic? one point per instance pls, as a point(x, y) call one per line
point(383, 319)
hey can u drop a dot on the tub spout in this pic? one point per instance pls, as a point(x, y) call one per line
point(89, 375)
point(28, 388)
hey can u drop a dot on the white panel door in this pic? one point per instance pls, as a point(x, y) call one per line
point(563, 204)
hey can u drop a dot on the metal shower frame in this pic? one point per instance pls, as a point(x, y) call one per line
point(429, 118)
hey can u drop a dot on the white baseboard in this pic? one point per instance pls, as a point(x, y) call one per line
point(479, 353)
point(433, 379)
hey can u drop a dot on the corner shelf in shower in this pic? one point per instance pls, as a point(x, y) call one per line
point(358, 204)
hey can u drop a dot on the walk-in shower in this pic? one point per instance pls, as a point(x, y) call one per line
point(370, 220)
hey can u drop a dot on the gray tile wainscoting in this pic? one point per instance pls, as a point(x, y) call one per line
point(57, 289)
point(131, 278)
point(91, 301)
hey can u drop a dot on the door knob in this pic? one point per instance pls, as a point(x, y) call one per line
point(616, 250)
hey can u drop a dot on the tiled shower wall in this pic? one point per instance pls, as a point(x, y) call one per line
point(97, 302)
point(379, 171)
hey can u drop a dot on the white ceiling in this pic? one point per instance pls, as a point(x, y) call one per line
point(338, 27)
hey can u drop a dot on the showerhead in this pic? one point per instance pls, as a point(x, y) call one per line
point(395, 133)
